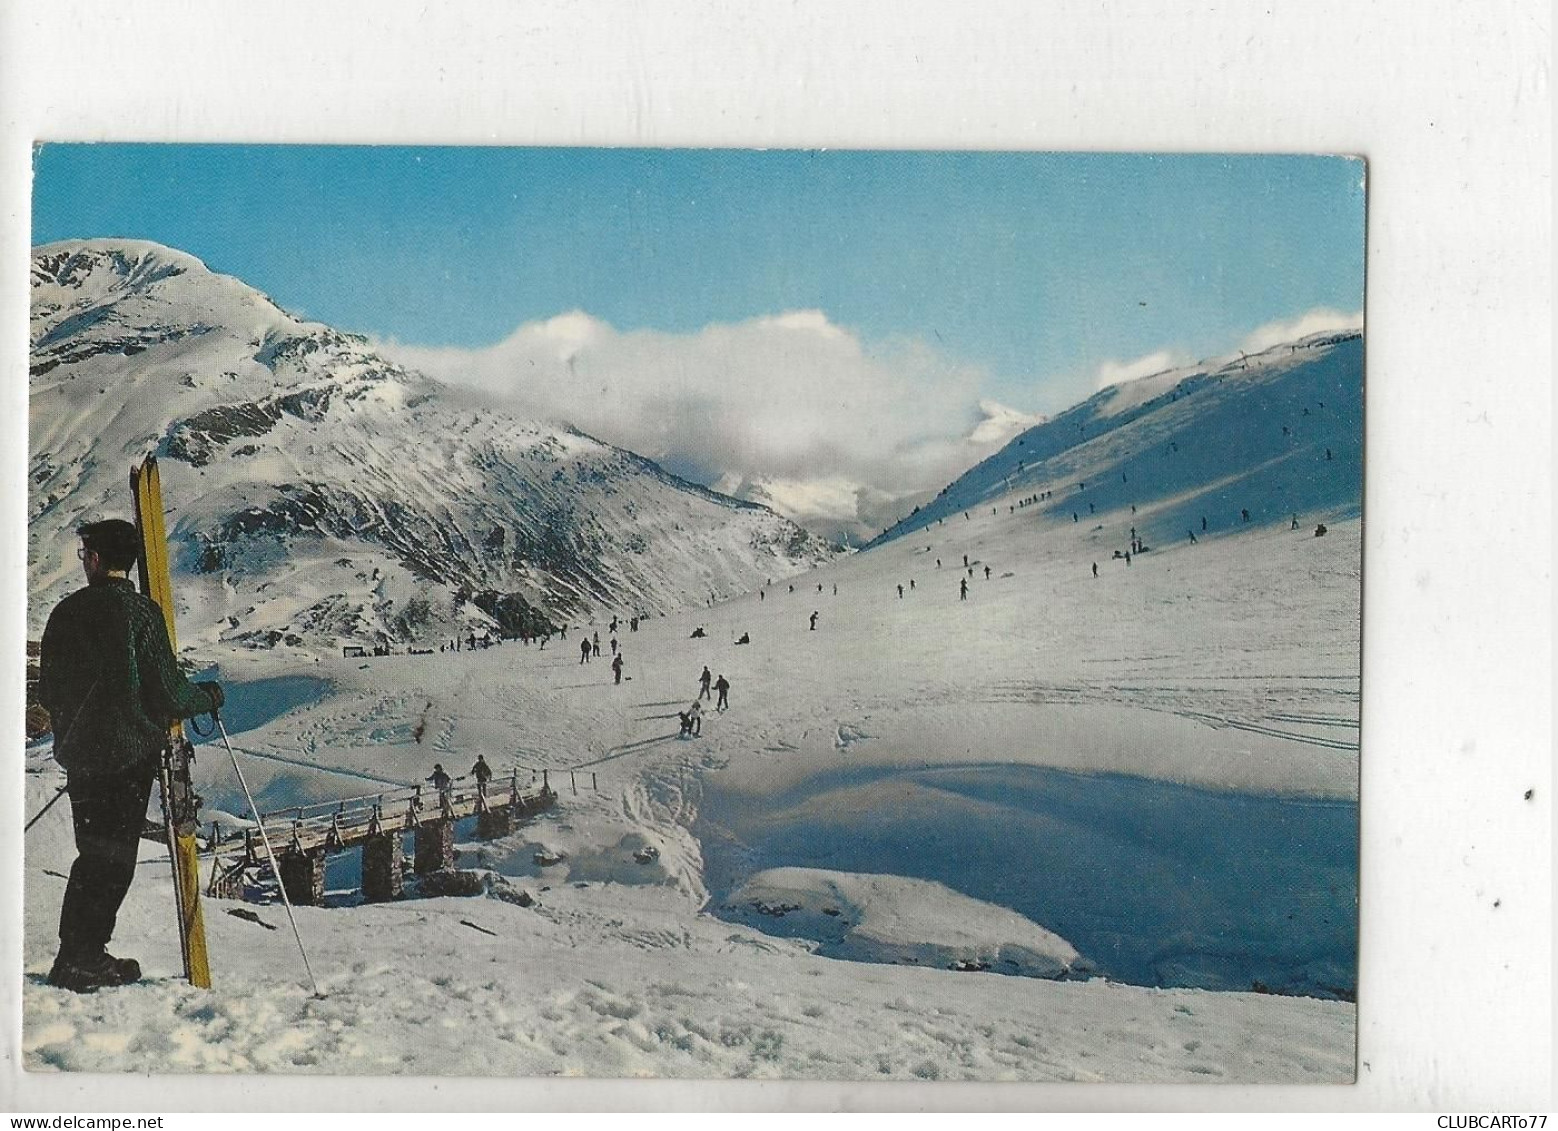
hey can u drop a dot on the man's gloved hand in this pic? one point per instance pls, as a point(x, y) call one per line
point(214, 690)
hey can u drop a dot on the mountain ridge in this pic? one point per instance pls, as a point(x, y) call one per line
point(394, 507)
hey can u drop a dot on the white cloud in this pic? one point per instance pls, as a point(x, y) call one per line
point(1317, 321)
point(1113, 372)
point(790, 406)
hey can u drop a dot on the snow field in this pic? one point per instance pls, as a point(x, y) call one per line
point(1229, 665)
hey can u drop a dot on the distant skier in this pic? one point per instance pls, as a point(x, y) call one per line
point(814, 620)
point(613, 626)
point(691, 719)
point(1203, 524)
point(819, 587)
point(900, 592)
point(965, 561)
point(962, 589)
point(760, 595)
point(987, 573)
point(1095, 569)
point(442, 782)
point(596, 645)
point(1244, 515)
point(1127, 557)
point(697, 633)
point(482, 773)
point(744, 638)
point(616, 668)
point(1294, 526)
point(584, 650)
point(722, 685)
point(1192, 534)
point(703, 684)
point(613, 645)
point(911, 584)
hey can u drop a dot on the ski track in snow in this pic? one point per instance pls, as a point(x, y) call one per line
point(617, 969)
point(1230, 666)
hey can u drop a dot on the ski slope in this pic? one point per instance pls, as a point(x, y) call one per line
point(1223, 673)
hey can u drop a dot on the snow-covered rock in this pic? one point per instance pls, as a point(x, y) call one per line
point(896, 919)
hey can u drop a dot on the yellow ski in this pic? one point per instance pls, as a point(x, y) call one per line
point(180, 805)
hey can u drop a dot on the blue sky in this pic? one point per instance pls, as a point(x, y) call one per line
point(1036, 267)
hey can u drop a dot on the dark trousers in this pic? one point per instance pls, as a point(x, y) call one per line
point(109, 813)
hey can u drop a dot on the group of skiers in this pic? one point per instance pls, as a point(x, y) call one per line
point(589, 646)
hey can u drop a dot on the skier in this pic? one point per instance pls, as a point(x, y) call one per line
point(813, 619)
point(1095, 569)
point(613, 645)
point(482, 773)
point(111, 685)
point(962, 589)
point(1244, 515)
point(584, 650)
point(1127, 557)
point(900, 592)
point(691, 719)
point(703, 684)
point(722, 685)
point(965, 561)
point(614, 626)
point(616, 668)
point(744, 638)
point(442, 782)
point(911, 584)
point(596, 648)
point(1203, 524)
point(1192, 534)
point(1295, 523)
point(987, 573)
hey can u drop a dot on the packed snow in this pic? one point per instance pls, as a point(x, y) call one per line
point(627, 964)
point(1057, 780)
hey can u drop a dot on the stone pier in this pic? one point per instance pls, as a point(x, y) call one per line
point(303, 876)
point(434, 847)
point(381, 875)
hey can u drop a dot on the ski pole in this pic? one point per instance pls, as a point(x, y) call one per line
point(269, 852)
point(46, 808)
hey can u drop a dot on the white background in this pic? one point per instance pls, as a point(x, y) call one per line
point(1450, 103)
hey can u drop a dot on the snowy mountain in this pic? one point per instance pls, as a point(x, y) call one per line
point(319, 493)
point(1276, 434)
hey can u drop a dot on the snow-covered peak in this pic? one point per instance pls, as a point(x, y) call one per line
point(321, 493)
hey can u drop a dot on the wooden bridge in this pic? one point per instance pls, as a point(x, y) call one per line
point(304, 836)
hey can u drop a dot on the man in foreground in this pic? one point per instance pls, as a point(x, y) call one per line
point(112, 687)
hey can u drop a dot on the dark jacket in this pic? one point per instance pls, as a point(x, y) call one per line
point(110, 682)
